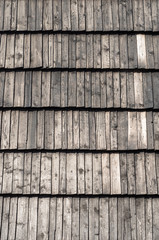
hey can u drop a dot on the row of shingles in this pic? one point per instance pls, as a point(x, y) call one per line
point(83, 130)
point(93, 51)
point(79, 173)
point(79, 89)
point(79, 218)
point(75, 15)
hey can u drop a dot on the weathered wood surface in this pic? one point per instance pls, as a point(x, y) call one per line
point(79, 173)
point(77, 131)
point(38, 89)
point(108, 51)
point(39, 218)
point(79, 15)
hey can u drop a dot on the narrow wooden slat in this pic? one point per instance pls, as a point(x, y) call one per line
point(116, 89)
point(5, 218)
point(140, 173)
point(31, 136)
point(9, 61)
point(93, 218)
point(19, 89)
point(67, 218)
point(147, 90)
point(113, 130)
point(9, 89)
point(69, 131)
point(88, 174)
point(76, 129)
point(1, 14)
point(66, 17)
point(43, 219)
point(64, 90)
point(106, 173)
point(2, 84)
point(55, 173)
point(39, 15)
point(7, 14)
point(57, 50)
point(27, 173)
point(71, 173)
point(7, 173)
point(132, 130)
point(1, 171)
point(104, 218)
point(107, 15)
point(3, 44)
point(147, 15)
point(115, 174)
point(113, 218)
point(74, 15)
point(155, 8)
point(115, 15)
point(22, 15)
point(149, 51)
point(142, 132)
point(18, 168)
point(141, 51)
point(100, 130)
point(31, 15)
point(72, 50)
point(103, 83)
point(123, 173)
point(131, 173)
point(105, 50)
point(155, 81)
point(87, 89)
point(110, 94)
point(140, 218)
point(27, 51)
point(138, 89)
point(156, 52)
point(89, 15)
point(150, 132)
point(138, 15)
point(81, 15)
point(155, 214)
point(40, 130)
point(133, 217)
point(151, 173)
point(12, 217)
point(90, 51)
point(46, 50)
point(84, 130)
point(80, 89)
point(114, 51)
point(57, 15)
point(122, 130)
point(62, 174)
point(64, 130)
point(97, 51)
point(14, 15)
point(81, 173)
point(36, 89)
point(35, 173)
point(123, 15)
point(49, 129)
point(130, 91)
point(108, 129)
point(47, 15)
point(96, 91)
point(72, 83)
point(55, 89)
point(132, 51)
point(22, 132)
point(22, 218)
point(5, 132)
point(52, 220)
point(36, 50)
point(45, 178)
point(97, 15)
point(123, 51)
point(148, 218)
point(59, 211)
point(156, 130)
point(58, 132)
point(75, 217)
point(84, 218)
point(97, 174)
point(32, 217)
point(19, 46)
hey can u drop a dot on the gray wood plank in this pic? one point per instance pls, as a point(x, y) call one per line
point(3, 44)
point(97, 51)
point(22, 15)
point(88, 89)
point(151, 178)
point(1, 172)
point(156, 52)
point(36, 50)
point(115, 15)
point(14, 15)
point(156, 130)
point(141, 51)
point(9, 89)
point(58, 40)
point(45, 94)
point(131, 173)
point(1, 14)
point(72, 89)
point(83, 57)
point(72, 50)
point(132, 51)
point(67, 217)
point(84, 130)
point(107, 15)
point(81, 15)
point(75, 217)
point(52, 221)
point(89, 16)
point(100, 130)
point(138, 16)
point(32, 218)
point(49, 129)
point(81, 173)
point(12, 218)
point(27, 51)
point(148, 218)
point(2, 84)
point(19, 89)
point(113, 218)
point(57, 15)
point(76, 126)
point(47, 15)
point(55, 172)
point(46, 50)
point(43, 219)
point(59, 211)
point(45, 176)
point(123, 51)
point(66, 17)
point(55, 89)
point(140, 174)
point(115, 174)
point(22, 218)
point(123, 173)
point(155, 84)
point(142, 130)
point(97, 15)
point(19, 46)
point(7, 173)
point(110, 93)
point(22, 132)
point(97, 174)
point(155, 214)
point(155, 17)
point(64, 90)
point(147, 90)
point(74, 15)
point(84, 219)
point(17, 180)
point(7, 14)
point(64, 130)
point(108, 130)
point(94, 218)
point(71, 174)
point(31, 15)
point(39, 15)
point(148, 15)
point(88, 174)
point(5, 132)
point(116, 89)
point(5, 218)
point(58, 132)
point(27, 173)
point(114, 51)
point(132, 130)
point(123, 86)
point(123, 15)
point(90, 51)
point(140, 218)
point(9, 61)
point(133, 218)
point(35, 173)
point(80, 89)
point(96, 90)
point(62, 174)
point(105, 50)
point(32, 130)
point(114, 130)
point(104, 218)
point(106, 173)
point(14, 129)
point(150, 132)
point(36, 89)
point(103, 84)
point(69, 131)
point(130, 91)
point(149, 51)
